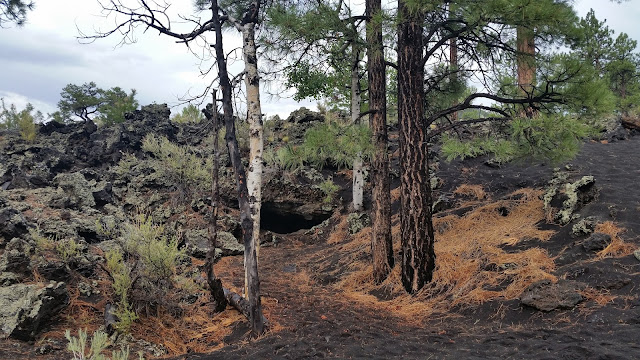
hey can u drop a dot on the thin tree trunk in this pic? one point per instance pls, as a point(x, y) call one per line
point(250, 256)
point(453, 64)
point(356, 101)
point(256, 141)
point(418, 257)
point(381, 245)
point(526, 52)
point(215, 285)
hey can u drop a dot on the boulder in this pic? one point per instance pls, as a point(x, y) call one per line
point(25, 309)
point(197, 243)
point(547, 296)
point(565, 198)
point(12, 225)
point(103, 194)
point(304, 115)
point(76, 188)
point(15, 261)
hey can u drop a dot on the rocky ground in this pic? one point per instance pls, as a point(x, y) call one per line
point(547, 253)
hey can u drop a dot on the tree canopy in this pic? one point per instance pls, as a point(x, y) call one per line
point(14, 11)
point(88, 102)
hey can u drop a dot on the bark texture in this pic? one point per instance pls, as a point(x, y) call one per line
point(356, 102)
point(246, 222)
point(381, 246)
point(215, 284)
point(254, 116)
point(418, 257)
point(453, 66)
point(526, 51)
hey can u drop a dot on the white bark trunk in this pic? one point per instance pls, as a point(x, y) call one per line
point(356, 99)
point(254, 116)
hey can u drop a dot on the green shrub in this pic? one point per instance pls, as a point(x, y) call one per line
point(27, 127)
point(158, 254)
point(43, 243)
point(68, 250)
point(177, 163)
point(149, 257)
point(190, 115)
point(126, 163)
point(122, 285)
point(99, 342)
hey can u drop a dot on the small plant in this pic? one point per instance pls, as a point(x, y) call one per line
point(158, 253)
point(122, 284)
point(190, 115)
point(27, 127)
point(145, 263)
point(126, 163)
point(68, 250)
point(24, 120)
point(330, 189)
point(99, 342)
point(178, 163)
point(43, 243)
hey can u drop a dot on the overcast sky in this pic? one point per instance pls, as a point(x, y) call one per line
point(39, 59)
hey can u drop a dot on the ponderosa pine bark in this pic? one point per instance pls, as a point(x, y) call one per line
point(381, 244)
point(246, 222)
point(525, 59)
point(416, 228)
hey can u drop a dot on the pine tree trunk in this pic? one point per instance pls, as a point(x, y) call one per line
point(356, 102)
point(526, 52)
point(381, 246)
point(246, 223)
point(256, 141)
point(418, 257)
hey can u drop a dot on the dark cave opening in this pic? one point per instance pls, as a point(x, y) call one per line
point(281, 218)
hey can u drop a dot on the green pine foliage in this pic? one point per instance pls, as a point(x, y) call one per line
point(330, 189)
point(614, 64)
point(325, 144)
point(24, 120)
point(14, 11)
point(88, 102)
point(555, 138)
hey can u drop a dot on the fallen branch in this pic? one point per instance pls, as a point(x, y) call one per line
point(241, 304)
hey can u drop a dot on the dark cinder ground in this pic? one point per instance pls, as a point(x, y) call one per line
point(320, 326)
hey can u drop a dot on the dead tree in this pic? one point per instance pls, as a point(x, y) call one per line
point(153, 15)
